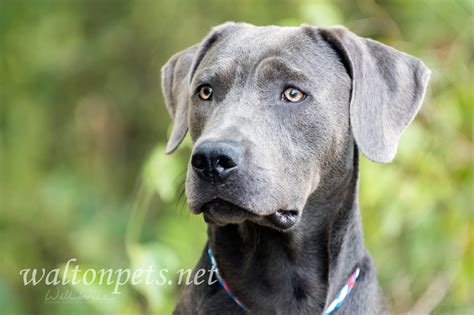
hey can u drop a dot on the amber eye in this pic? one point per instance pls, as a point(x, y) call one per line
point(205, 93)
point(293, 95)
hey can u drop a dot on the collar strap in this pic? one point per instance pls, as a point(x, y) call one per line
point(343, 293)
point(335, 304)
point(221, 281)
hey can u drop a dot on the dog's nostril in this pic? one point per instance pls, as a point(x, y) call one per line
point(199, 161)
point(214, 160)
point(225, 162)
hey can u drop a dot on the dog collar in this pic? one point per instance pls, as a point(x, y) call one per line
point(224, 285)
point(335, 304)
point(343, 293)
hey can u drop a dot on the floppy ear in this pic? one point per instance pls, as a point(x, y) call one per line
point(175, 86)
point(388, 87)
point(176, 76)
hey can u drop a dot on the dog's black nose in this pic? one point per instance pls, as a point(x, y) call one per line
point(216, 160)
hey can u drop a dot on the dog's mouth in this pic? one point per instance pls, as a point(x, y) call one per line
point(222, 212)
point(283, 219)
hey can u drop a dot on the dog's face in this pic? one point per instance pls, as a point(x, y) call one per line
point(272, 111)
point(273, 99)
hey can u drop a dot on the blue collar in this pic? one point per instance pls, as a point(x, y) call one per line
point(224, 285)
point(335, 304)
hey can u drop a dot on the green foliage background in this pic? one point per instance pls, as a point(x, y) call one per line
point(83, 127)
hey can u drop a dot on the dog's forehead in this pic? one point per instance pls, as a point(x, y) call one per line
point(249, 45)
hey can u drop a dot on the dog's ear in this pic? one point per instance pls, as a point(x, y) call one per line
point(388, 87)
point(175, 86)
point(176, 76)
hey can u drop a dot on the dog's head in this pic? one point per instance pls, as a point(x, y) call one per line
point(272, 110)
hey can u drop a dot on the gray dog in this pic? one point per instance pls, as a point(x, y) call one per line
point(277, 116)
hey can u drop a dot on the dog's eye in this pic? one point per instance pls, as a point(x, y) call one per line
point(293, 95)
point(205, 92)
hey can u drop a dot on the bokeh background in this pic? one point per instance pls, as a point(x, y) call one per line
point(83, 127)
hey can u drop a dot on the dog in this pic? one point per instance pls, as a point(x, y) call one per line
point(277, 117)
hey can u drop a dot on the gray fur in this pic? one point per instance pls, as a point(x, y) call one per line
point(387, 89)
point(298, 156)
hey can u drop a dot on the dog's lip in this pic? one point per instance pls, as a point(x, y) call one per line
point(221, 211)
point(283, 219)
point(224, 206)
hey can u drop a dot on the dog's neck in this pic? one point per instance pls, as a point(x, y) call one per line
point(300, 268)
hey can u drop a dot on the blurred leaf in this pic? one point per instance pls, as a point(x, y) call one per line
point(162, 173)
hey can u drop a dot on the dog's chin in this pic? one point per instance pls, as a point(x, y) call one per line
point(221, 212)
